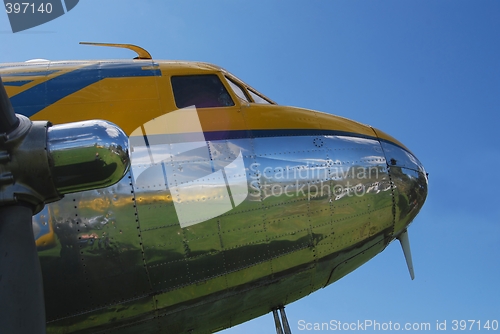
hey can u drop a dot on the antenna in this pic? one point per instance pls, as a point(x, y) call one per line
point(141, 53)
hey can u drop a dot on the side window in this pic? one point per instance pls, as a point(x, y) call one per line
point(258, 99)
point(238, 90)
point(202, 91)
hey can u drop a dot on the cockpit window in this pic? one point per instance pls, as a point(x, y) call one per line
point(257, 98)
point(202, 91)
point(238, 90)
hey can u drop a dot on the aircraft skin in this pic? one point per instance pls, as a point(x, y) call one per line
point(321, 196)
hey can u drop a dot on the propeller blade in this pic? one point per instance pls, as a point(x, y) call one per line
point(22, 305)
point(405, 244)
point(8, 119)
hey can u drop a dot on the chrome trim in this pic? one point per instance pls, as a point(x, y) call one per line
point(87, 155)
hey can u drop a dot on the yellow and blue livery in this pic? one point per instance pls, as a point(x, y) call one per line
point(234, 205)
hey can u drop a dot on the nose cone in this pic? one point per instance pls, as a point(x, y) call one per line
point(408, 178)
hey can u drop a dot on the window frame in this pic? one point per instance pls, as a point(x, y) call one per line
point(247, 89)
point(241, 87)
point(217, 74)
point(253, 91)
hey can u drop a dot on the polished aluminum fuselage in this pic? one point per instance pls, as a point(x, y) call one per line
point(309, 205)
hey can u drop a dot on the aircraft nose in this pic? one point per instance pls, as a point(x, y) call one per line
point(408, 178)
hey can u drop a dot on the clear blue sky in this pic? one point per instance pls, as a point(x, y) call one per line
point(427, 72)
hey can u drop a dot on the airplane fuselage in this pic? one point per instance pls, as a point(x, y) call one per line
point(233, 206)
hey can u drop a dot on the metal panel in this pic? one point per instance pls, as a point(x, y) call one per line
point(98, 252)
point(397, 156)
point(410, 192)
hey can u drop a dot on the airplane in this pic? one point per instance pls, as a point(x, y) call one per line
point(233, 205)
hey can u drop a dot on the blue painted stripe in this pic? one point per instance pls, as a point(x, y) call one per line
point(17, 83)
point(235, 134)
point(246, 134)
point(43, 95)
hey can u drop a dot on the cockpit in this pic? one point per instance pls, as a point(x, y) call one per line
point(209, 91)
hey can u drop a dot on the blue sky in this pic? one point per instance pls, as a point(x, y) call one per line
point(426, 72)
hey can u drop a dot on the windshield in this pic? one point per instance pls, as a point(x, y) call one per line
point(246, 93)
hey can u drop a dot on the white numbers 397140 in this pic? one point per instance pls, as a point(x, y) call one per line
point(27, 7)
point(464, 325)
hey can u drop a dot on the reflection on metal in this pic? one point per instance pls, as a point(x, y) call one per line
point(25, 174)
point(399, 157)
point(87, 155)
point(184, 165)
point(43, 230)
point(308, 208)
point(410, 192)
